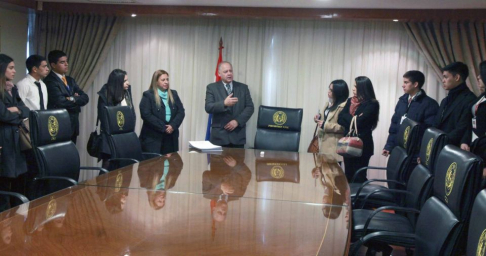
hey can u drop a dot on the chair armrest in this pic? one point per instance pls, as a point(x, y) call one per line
point(93, 168)
point(357, 245)
point(17, 195)
point(374, 180)
point(123, 159)
point(395, 208)
point(393, 191)
point(56, 178)
point(148, 155)
point(364, 169)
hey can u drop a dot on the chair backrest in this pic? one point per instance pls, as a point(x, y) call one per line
point(432, 143)
point(119, 123)
point(457, 179)
point(476, 239)
point(397, 165)
point(408, 136)
point(437, 229)
point(277, 166)
point(278, 128)
point(420, 187)
point(56, 154)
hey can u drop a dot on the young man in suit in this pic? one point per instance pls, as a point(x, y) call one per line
point(454, 115)
point(415, 105)
point(32, 89)
point(63, 91)
point(231, 105)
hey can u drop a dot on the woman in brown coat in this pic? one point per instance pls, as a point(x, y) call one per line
point(329, 130)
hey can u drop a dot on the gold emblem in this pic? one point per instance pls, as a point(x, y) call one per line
point(53, 127)
point(120, 119)
point(405, 136)
point(429, 151)
point(449, 179)
point(279, 118)
point(51, 208)
point(277, 172)
point(481, 244)
point(118, 182)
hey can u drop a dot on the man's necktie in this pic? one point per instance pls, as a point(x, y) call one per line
point(41, 96)
point(228, 88)
point(65, 83)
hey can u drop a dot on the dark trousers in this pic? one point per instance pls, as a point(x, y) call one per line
point(11, 185)
point(74, 138)
point(353, 164)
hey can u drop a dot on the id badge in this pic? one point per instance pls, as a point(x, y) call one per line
point(474, 123)
point(403, 118)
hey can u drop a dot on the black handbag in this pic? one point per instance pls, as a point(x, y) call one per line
point(94, 142)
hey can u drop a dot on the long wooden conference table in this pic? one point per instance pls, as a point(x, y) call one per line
point(235, 202)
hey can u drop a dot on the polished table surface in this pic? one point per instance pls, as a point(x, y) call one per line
point(235, 202)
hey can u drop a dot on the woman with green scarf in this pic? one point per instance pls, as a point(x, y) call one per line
point(162, 113)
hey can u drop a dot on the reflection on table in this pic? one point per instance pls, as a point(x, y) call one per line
point(192, 204)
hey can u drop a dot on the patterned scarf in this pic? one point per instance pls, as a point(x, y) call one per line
point(354, 105)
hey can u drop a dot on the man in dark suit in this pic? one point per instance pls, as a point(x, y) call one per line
point(454, 115)
point(231, 105)
point(63, 91)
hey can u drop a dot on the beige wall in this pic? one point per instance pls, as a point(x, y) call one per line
point(13, 37)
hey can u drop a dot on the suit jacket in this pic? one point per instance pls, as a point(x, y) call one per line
point(367, 113)
point(423, 110)
point(455, 120)
point(57, 98)
point(241, 112)
point(12, 159)
point(154, 121)
point(331, 132)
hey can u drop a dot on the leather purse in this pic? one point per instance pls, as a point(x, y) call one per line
point(314, 144)
point(94, 142)
point(350, 145)
point(24, 131)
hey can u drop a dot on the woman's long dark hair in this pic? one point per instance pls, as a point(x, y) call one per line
point(4, 61)
point(365, 92)
point(340, 92)
point(364, 89)
point(116, 93)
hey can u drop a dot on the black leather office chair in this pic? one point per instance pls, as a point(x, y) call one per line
point(119, 123)
point(456, 183)
point(476, 238)
point(277, 166)
point(278, 128)
point(397, 170)
point(418, 190)
point(436, 233)
point(56, 155)
point(433, 141)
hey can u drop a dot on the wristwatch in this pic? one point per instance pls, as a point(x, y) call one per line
point(71, 98)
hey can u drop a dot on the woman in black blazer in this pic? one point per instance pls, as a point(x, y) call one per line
point(367, 109)
point(479, 119)
point(12, 112)
point(116, 92)
point(162, 114)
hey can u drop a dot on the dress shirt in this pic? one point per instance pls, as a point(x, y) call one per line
point(29, 92)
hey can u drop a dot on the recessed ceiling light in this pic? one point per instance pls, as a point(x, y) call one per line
point(326, 16)
point(395, 20)
point(134, 15)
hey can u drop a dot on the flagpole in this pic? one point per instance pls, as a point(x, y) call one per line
point(217, 79)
